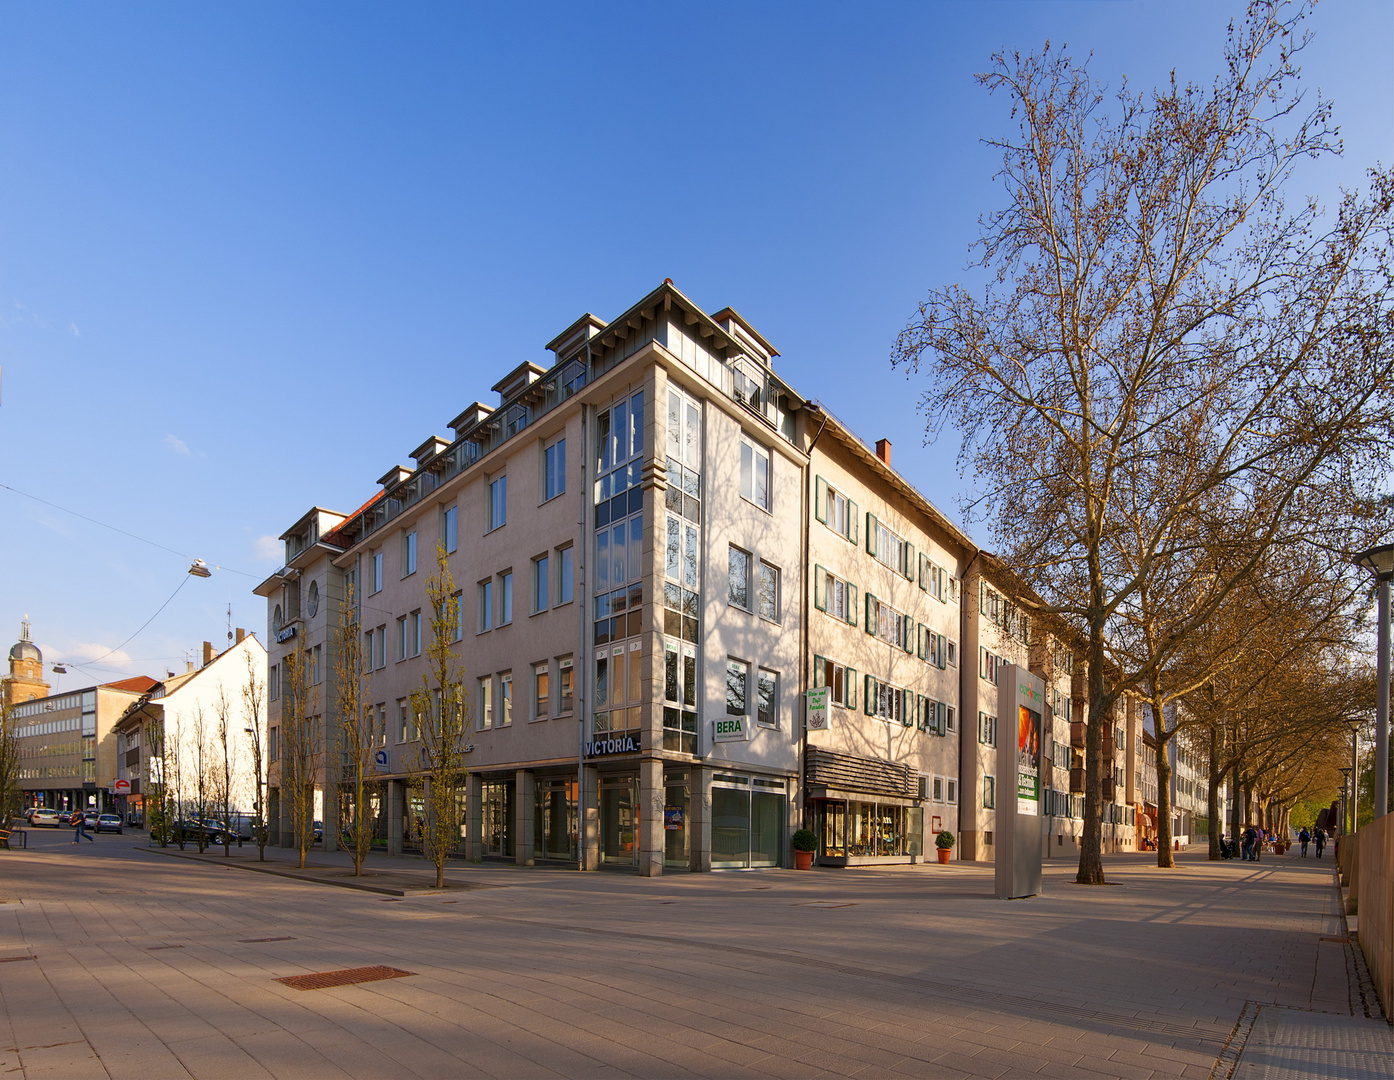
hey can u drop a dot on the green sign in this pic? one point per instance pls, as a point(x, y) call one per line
point(817, 717)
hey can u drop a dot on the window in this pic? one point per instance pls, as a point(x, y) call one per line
point(376, 558)
point(987, 665)
point(680, 697)
point(565, 575)
point(450, 528)
point(485, 702)
point(989, 793)
point(936, 789)
point(541, 692)
point(273, 682)
point(888, 547)
point(403, 720)
point(273, 743)
point(884, 622)
point(367, 650)
point(316, 665)
point(455, 613)
point(950, 791)
point(414, 633)
point(402, 653)
point(835, 596)
point(505, 699)
point(737, 679)
point(541, 587)
point(566, 696)
point(888, 702)
point(498, 503)
point(839, 678)
point(554, 470)
point(312, 600)
point(755, 474)
point(380, 640)
point(835, 510)
point(987, 729)
point(505, 598)
point(409, 553)
point(486, 605)
point(767, 698)
point(739, 588)
point(768, 596)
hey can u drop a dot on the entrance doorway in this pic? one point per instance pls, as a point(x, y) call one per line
point(747, 821)
point(619, 820)
point(554, 833)
point(496, 812)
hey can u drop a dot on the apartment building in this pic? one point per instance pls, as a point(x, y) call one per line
point(184, 729)
point(66, 742)
point(622, 530)
point(883, 635)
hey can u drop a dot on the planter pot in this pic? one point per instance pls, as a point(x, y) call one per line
point(803, 860)
point(944, 854)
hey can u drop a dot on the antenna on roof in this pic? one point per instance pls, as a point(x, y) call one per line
point(229, 622)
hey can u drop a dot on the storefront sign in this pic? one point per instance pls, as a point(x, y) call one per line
point(382, 760)
point(120, 787)
point(285, 633)
point(817, 716)
point(730, 729)
point(620, 744)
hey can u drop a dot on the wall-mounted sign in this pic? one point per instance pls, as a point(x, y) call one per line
point(731, 729)
point(382, 760)
point(619, 744)
point(672, 817)
point(817, 715)
point(285, 633)
point(120, 787)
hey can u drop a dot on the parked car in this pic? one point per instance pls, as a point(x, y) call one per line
point(45, 818)
point(91, 817)
point(108, 823)
point(190, 831)
point(319, 831)
point(69, 817)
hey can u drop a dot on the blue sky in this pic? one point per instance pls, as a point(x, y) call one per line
point(252, 254)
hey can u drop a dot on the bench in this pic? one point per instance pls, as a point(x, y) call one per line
point(6, 834)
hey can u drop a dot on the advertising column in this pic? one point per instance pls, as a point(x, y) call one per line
point(1021, 714)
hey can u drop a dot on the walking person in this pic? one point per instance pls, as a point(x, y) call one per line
point(1304, 838)
point(1320, 837)
point(80, 832)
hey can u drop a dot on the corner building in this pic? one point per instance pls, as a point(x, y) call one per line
point(625, 532)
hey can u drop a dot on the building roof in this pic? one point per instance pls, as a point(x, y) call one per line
point(136, 684)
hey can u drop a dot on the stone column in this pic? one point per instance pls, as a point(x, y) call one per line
point(699, 837)
point(524, 814)
point(394, 799)
point(650, 836)
point(474, 817)
point(589, 819)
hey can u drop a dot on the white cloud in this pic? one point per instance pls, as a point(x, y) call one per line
point(269, 549)
point(86, 651)
point(72, 329)
point(178, 445)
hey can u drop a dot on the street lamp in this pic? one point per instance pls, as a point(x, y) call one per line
point(1345, 800)
point(1380, 562)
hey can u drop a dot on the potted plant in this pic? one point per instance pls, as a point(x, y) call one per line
point(805, 843)
point(944, 843)
point(626, 841)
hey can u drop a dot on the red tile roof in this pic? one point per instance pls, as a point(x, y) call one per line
point(137, 684)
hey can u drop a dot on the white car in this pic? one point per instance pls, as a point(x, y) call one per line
point(45, 817)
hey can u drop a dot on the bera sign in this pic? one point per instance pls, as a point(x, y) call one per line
point(730, 729)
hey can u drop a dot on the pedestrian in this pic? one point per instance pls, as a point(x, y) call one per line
point(1250, 844)
point(80, 832)
point(1320, 837)
point(1304, 838)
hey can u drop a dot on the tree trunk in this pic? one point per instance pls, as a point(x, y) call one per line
point(1091, 862)
point(1212, 799)
point(1165, 859)
point(1236, 810)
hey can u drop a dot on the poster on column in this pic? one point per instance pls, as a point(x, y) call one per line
point(1028, 756)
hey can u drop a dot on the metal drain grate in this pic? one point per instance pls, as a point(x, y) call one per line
point(325, 979)
point(12, 959)
point(259, 940)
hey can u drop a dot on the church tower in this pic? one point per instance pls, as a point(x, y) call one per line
point(26, 679)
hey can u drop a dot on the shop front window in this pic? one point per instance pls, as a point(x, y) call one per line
point(496, 806)
point(554, 829)
point(675, 811)
point(619, 821)
point(747, 821)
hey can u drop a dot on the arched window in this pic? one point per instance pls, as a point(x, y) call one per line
point(276, 620)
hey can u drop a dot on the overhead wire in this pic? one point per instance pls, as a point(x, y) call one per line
point(123, 532)
point(184, 581)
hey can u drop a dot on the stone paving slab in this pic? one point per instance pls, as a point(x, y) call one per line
point(1290, 1044)
point(143, 969)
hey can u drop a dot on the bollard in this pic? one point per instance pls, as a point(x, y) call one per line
point(1178, 845)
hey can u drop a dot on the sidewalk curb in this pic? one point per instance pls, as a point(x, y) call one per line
point(291, 874)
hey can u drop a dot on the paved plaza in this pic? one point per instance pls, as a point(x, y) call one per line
point(123, 962)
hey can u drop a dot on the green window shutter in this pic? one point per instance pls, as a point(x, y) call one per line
point(908, 570)
point(922, 703)
point(851, 604)
point(851, 684)
point(943, 586)
point(820, 675)
point(870, 614)
point(924, 642)
point(907, 634)
point(941, 717)
point(820, 500)
point(870, 533)
point(907, 702)
point(869, 695)
point(942, 653)
point(820, 588)
point(924, 574)
point(852, 521)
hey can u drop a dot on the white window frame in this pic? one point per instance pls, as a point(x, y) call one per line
point(754, 459)
point(762, 570)
point(450, 527)
point(554, 469)
point(408, 553)
point(498, 503)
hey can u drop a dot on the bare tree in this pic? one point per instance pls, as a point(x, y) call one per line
point(358, 785)
point(253, 711)
point(11, 796)
point(203, 777)
point(301, 749)
point(223, 794)
point(1161, 341)
point(440, 715)
point(159, 815)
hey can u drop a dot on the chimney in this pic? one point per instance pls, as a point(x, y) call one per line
point(240, 635)
point(188, 666)
point(207, 653)
point(883, 450)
